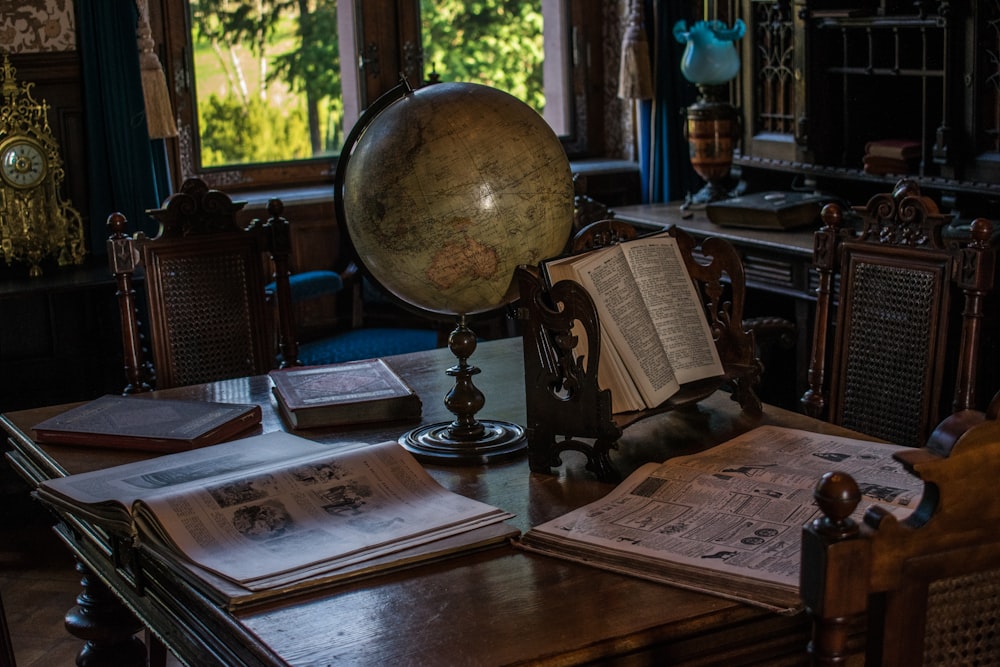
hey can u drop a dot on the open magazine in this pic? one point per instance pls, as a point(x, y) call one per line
point(277, 513)
point(727, 520)
point(654, 332)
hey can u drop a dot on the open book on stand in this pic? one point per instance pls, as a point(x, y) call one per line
point(727, 520)
point(272, 515)
point(654, 332)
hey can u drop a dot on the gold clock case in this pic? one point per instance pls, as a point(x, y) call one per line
point(35, 223)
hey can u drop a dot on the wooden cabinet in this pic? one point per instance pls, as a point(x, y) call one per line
point(61, 339)
point(822, 78)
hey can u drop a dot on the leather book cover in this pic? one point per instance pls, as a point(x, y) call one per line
point(352, 392)
point(896, 149)
point(768, 210)
point(150, 424)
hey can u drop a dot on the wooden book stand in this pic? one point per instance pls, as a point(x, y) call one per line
point(562, 394)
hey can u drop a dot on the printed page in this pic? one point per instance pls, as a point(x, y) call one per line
point(675, 306)
point(611, 372)
point(732, 513)
point(122, 485)
point(319, 513)
point(626, 319)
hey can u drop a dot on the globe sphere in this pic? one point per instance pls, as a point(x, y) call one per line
point(448, 189)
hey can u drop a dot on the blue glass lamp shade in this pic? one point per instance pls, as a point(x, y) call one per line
point(710, 57)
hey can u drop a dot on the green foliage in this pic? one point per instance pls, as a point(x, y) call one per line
point(238, 133)
point(285, 50)
point(268, 71)
point(314, 65)
point(494, 42)
point(313, 68)
point(235, 21)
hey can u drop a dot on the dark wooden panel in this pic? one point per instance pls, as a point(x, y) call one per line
point(61, 339)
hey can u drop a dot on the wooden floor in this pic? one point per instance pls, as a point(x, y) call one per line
point(38, 582)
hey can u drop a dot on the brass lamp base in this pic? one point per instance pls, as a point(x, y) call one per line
point(466, 440)
point(712, 128)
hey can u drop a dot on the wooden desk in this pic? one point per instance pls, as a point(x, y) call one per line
point(502, 606)
point(778, 266)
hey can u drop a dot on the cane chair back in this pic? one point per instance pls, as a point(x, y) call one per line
point(205, 274)
point(928, 585)
point(893, 358)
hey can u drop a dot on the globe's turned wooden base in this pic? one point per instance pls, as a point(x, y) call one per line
point(466, 440)
point(436, 443)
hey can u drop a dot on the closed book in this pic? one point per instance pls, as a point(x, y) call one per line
point(888, 165)
point(353, 392)
point(767, 210)
point(900, 149)
point(150, 424)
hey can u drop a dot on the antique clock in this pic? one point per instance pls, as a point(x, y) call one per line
point(35, 223)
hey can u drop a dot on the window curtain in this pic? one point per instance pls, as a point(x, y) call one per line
point(127, 171)
point(664, 165)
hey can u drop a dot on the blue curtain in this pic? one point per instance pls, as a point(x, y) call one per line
point(126, 171)
point(664, 164)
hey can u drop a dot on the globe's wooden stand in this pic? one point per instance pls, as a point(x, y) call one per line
point(466, 440)
point(563, 398)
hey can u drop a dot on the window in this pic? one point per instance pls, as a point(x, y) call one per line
point(270, 88)
point(267, 81)
point(518, 47)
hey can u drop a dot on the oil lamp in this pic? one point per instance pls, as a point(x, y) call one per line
point(712, 124)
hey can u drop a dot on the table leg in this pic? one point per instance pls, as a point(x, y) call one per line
point(105, 624)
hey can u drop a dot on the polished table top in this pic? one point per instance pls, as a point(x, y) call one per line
point(501, 606)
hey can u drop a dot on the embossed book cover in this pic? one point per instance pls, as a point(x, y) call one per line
point(353, 392)
point(151, 424)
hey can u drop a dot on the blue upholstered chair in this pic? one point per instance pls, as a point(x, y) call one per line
point(366, 336)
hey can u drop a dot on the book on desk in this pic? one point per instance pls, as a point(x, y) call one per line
point(149, 424)
point(768, 210)
point(273, 515)
point(728, 520)
point(353, 392)
point(653, 329)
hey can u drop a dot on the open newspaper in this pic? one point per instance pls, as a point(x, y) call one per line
point(276, 513)
point(654, 332)
point(727, 520)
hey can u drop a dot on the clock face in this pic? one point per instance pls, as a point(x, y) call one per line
point(22, 163)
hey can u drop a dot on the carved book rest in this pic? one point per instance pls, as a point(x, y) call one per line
point(565, 406)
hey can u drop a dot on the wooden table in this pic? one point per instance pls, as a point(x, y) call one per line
point(501, 606)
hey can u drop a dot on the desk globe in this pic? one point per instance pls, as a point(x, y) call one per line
point(443, 191)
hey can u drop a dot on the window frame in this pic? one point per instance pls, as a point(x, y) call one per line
point(385, 41)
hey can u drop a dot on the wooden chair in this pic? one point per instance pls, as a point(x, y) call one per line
point(897, 282)
point(369, 325)
point(205, 274)
point(928, 584)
